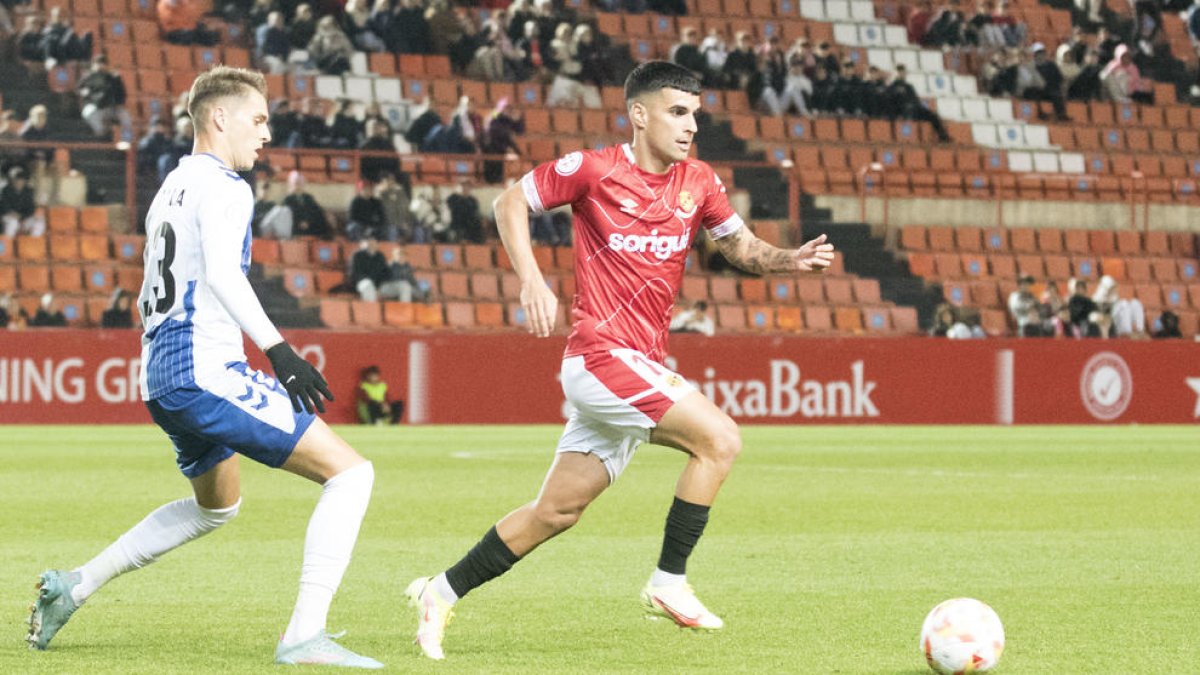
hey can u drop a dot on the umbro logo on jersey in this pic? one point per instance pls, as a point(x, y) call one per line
point(629, 206)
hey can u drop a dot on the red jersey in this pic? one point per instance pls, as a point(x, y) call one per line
point(633, 230)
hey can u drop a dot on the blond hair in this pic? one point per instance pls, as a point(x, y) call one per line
point(220, 82)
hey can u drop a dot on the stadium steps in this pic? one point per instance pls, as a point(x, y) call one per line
point(716, 142)
point(867, 257)
point(285, 310)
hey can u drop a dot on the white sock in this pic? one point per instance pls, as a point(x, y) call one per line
point(663, 579)
point(332, 531)
point(166, 528)
point(442, 587)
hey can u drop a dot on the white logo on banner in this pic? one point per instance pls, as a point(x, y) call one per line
point(1106, 386)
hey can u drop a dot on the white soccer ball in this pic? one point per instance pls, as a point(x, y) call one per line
point(962, 636)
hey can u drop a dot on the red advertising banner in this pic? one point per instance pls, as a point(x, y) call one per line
point(69, 376)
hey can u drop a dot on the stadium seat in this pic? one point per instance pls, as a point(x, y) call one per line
point(752, 290)
point(30, 248)
point(789, 318)
point(1049, 240)
point(299, 282)
point(1164, 269)
point(485, 285)
point(335, 313)
point(430, 315)
point(731, 317)
point(366, 314)
point(64, 247)
point(489, 315)
point(1102, 242)
point(818, 319)
point(265, 251)
point(33, 278)
point(760, 317)
point(460, 315)
point(848, 320)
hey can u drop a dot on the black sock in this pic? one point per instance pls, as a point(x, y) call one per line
point(685, 524)
point(487, 560)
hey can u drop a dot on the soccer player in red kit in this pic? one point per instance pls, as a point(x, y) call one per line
point(636, 207)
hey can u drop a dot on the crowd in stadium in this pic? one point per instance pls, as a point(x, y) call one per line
point(1102, 59)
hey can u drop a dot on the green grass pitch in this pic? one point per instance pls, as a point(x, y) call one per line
point(826, 549)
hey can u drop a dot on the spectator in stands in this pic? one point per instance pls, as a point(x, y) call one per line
point(61, 43)
point(741, 64)
point(303, 27)
point(181, 146)
point(373, 111)
point(520, 12)
point(368, 270)
point(284, 123)
point(1014, 31)
point(102, 93)
point(1166, 326)
point(1086, 85)
point(466, 222)
point(343, 125)
point(330, 50)
point(311, 131)
point(372, 404)
point(366, 216)
point(180, 21)
point(408, 30)
point(29, 40)
point(379, 139)
point(773, 65)
point(945, 317)
point(1068, 65)
point(396, 204)
point(12, 316)
point(48, 315)
point(1123, 81)
point(529, 44)
point(6, 23)
point(1147, 24)
point(919, 21)
point(37, 129)
point(1052, 80)
point(257, 14)
point(488, 60)
point(264, 206)
point(356, 22)
point(119, 313)
point(905, 103)
point(550, 228)
point(823, 85)
point(797, 90)
point(1089, 11)
point(1106, 44)
point(693, 319)
point(431, 218)
point(9, 129)
point(446, 27)
point(18, 208)
point(849, 93)
point(574, 82)
point(1023, 307)
point(946, 27)
point(715, 52)
point(402, 283)
point(154, 144)
point(1077, 44)
point(1081, 311)
point(1050, 306)
point(876, 93)
point(308, 218)
point(1116, 316)
point(687, 53)
point(499, 138)
point(982, 29)
point(272, 45)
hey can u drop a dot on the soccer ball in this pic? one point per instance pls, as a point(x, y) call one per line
point(962, 636)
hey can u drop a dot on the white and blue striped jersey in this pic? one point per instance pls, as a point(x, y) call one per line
point(195, 299)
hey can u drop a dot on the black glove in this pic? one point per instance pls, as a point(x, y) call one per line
point(303, 382)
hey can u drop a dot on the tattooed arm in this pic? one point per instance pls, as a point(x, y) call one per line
point(746, 251)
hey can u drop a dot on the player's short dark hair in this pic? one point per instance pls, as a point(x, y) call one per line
point(655, 75)
point(219, 82)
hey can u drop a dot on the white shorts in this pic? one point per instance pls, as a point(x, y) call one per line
point(618, 396)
